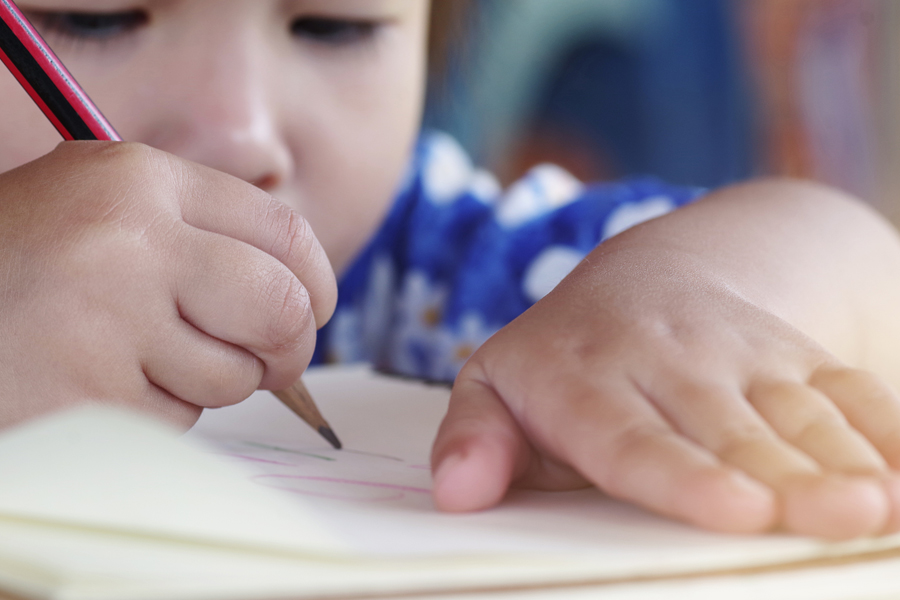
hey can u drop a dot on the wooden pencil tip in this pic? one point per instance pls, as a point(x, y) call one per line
point(328, 434)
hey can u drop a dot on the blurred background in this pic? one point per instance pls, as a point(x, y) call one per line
point(697, 92)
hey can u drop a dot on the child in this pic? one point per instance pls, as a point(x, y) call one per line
point(702, 364)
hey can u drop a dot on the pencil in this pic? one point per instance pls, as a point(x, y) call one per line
point(299, 400)
point(71, 111)
point(47, 81)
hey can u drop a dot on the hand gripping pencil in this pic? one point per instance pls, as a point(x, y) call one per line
point(58, 95)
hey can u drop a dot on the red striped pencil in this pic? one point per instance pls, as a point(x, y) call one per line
point(58, 95)
point(47, 81)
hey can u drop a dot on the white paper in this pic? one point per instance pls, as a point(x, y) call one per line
point(103, 468)
point(98, 505)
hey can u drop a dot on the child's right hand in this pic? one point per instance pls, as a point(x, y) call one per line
point(130, 276)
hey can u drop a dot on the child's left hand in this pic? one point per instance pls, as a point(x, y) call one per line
point(650, 374)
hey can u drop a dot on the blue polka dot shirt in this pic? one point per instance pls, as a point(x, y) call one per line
point(457, 257)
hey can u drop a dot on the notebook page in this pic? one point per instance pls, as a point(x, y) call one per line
point(373, 497)
point(103, 468)
point(375, 494)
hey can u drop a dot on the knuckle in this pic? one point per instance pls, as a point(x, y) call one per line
point(291, 313)
point(833, 377)
point(626, 451)
point(821, 421)
point(145, 172)
point(472, 373)
point(867, 383)
point(293, 233)
point(586, 350)
point(863, 387)
point(733, 440)
point(297, 235)
point(127, 157)
point(458, 427)
point(142, 178)
point(132, 152)
point(794, 408)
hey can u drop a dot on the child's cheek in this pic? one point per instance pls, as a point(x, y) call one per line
point(25, 134)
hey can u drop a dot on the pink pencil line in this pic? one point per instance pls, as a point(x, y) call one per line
point(391, 486)
point(253, 459)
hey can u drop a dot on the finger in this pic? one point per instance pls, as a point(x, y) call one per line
point(478, 450)
point(161, 404)
point(891, 484)
point(617, 440)
point(807, 419)
point(200, 369)
point(243, 296)
point(832, 506)
point(868, 403)
point(228, 206)
point(720, 419)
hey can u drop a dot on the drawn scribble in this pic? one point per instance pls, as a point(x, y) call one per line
point(335, 488)
point(349, 475)
point(288, 450)
point(373, 454)
point(320, 456)
point(253, 459)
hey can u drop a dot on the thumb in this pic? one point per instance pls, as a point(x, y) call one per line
point(478, 451)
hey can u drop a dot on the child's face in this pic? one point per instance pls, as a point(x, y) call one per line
point(316, 101)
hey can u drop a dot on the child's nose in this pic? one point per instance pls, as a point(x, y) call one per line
point(225, 115)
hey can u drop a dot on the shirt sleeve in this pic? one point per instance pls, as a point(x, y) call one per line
point(457, 258)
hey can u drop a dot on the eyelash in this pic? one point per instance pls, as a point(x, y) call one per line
point(334, 32)
point(102, 27)
point(90, 26)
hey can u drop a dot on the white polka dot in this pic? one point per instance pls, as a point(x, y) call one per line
point(447, 172)
point(559, 186)
point(485, 187)
point(549, 268)
point(544, 189)
point(631, 214)
point(519, 205)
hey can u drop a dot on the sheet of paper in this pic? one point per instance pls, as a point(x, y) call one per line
point(106, 469)
point(376, 493)
point(106, 506)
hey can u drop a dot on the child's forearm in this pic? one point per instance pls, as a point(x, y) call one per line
point(822, 261)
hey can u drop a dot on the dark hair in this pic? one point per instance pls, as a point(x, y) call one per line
point(449, 19)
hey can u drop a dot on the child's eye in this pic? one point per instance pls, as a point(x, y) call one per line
point(90, 25)
point(333, 31)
